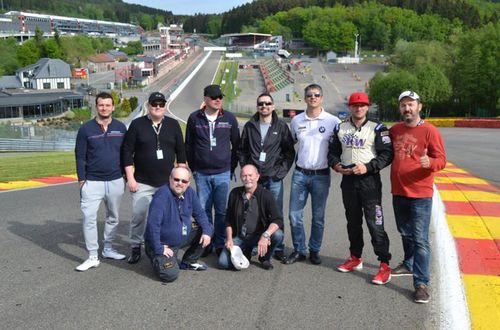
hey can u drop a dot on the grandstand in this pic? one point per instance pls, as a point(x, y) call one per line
point(18, 22)
point(275, 78)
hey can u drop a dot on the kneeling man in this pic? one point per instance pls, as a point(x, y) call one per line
point(170, 227)
point(252, 219)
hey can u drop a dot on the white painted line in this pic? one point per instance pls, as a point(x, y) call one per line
point(183, 85)
point(454, 312)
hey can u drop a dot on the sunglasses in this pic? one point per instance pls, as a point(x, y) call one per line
point(181, 180)
point(261, 104)
point(158, 104)
point(313, 94)
point(218, 97)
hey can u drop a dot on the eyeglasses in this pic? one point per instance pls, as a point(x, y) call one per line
point(313, 94)
point(158, 104)
point(261, 104)
point(218, 97)
point(181, 180)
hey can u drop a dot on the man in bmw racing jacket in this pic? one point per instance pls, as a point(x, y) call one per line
point(359, 149)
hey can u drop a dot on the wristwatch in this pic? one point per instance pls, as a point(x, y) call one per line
point(266, 235)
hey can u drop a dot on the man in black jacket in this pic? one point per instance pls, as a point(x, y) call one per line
point(152, 145)
point(266, 143)
point(360, 148)
point(252, 219)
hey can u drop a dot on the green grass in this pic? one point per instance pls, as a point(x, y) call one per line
point(25, 166)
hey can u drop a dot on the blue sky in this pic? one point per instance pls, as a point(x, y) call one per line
point(190, 7)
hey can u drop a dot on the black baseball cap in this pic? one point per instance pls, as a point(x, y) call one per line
point(212, 91)
point(157, 97)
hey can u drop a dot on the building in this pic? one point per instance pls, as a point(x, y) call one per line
point(101, 63)
point(22, 104)
point(47, 73)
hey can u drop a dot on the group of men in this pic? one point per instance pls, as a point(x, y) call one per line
point(169, 215)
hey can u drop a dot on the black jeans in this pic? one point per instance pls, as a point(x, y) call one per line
point(363, 194)
point(167, 268)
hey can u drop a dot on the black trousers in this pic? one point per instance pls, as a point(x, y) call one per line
point(363, 195)
point(167, 268)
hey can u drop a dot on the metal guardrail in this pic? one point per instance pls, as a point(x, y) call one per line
point(35, 145)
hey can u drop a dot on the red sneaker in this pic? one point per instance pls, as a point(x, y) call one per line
point(384, 274)
point(350, 264)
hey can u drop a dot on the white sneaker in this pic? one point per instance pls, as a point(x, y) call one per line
point(91, 262)
point(112, 254)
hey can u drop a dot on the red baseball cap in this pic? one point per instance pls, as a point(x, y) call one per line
point(358, 98)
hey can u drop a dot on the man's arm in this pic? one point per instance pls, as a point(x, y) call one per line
point(235, 143)
point(244, 149)
point(81, 156)
point(199, 214)
point(153, 227)
point(127, 156)
point(435, 151)
point(383, 148)
point(180, 150)
point(288, 152)
point(189, 141)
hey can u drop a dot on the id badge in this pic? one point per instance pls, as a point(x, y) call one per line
point(213, 142)
point(184, 230)
point(262, 157)
point(159, 154)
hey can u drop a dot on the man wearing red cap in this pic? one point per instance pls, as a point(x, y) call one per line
point(359, 149)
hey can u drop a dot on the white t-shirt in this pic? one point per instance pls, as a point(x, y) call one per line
point(313, 136)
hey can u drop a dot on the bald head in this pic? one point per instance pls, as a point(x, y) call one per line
point(250, 177)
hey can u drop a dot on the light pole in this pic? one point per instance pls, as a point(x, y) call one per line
point(356, 55)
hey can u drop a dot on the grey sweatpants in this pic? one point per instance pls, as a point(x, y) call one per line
point(92, 193)
point(140, 207)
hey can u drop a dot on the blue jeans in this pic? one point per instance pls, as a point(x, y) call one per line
point(247, 244)
point(213, 190)
point(276, 188)
point(413, 217)
point(318, 187)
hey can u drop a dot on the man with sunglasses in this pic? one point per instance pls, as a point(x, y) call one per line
point(212, 140)
point(170, 227)
point(360, 148)
point(152, 145)
point(266, 143)
point(312, 130)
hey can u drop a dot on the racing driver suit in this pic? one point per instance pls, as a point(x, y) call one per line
point(370, 145)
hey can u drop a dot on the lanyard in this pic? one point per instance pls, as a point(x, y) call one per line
point(157, 132)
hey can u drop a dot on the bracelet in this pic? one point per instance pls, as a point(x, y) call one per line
point(266, 235)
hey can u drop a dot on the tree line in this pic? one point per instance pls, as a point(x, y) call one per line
point(470, 13)
point(72, 49)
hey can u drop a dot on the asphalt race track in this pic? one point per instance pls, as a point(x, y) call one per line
point(41, 242)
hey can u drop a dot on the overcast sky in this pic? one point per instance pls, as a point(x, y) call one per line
point(190, 7)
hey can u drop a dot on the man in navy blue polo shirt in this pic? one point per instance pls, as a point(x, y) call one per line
point(100, 176)
point(170, 227)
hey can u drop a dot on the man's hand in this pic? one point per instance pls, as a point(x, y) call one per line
point(424, 160)
point(344, 171)
point(359, 169)
point(81, 183)
point(229, 244)
point(262, 246)
point(205, 240)
point(167, 252)
point(232, 177)
point(133, 186)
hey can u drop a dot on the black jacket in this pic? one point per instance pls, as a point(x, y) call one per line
point(278, 146)
point(268, 211)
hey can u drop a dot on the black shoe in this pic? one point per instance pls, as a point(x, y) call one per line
point(206, 251)
point(135, 255)
point(278, 255)
point(293, 258)
point(314, 257)
point(266, 264)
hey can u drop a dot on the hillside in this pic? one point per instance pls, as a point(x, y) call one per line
point(108, 10)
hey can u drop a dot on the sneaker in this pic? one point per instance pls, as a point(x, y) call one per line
point(265, 264)
point(112, 254)
point(384, 274)
point(421, 295)
point(401, 270)
point(353, 263)
point(193, 266)
point(91, 262)
point(135, 255)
